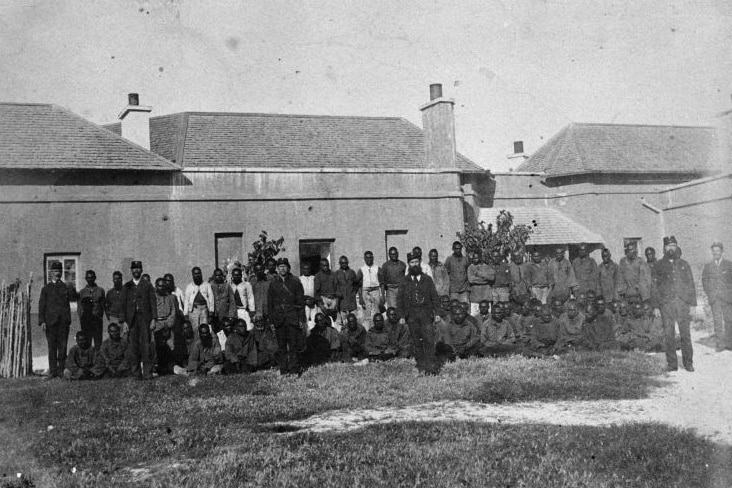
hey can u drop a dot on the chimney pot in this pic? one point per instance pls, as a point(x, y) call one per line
point(518, 147)
point(435, 91)
point(133, 99)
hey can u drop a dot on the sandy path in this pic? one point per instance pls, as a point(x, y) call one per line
point(701, 400)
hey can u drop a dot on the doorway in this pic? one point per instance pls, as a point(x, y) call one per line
point(313, 250)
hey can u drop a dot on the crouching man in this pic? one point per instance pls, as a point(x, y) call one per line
point(80, 360)
point(385, 342)
point(240, 351)
point(461, 338)
point(205, 356)
point(113, 359)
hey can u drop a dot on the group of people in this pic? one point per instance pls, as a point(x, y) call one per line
point(476, 305)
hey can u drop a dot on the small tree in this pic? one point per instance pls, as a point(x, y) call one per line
point(263, 249)
point(504, 237)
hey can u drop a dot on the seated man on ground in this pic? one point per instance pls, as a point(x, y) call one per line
point(113, 359)
point(353, 340)
point(498, 339)
point(569, 334)
point(400, 332)
point(637, 332)
point(543, 334)
point(80, 359)
point(444, 311)
point(240, 350)
point(557, 308)
point(523, 325)
point(265, 339)
point(461, 338)
point(323, 345)
point(385, 342)
point(597, 332)
point(205, 357)
point(484, 314)
point(602, 308)
point(468, 317)
point(621, 316)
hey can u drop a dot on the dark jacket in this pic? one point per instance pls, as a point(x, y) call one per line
point(286, 301)
point(140, 297)
point(672, 281)
point(55, 303)
point(717, 281)
point(417, 295)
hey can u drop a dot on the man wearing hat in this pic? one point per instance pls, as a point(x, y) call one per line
point(286, 309)
point(673, 292)
point(139, 310)
point(717, 284)
point(418, 304)
point(54, 314)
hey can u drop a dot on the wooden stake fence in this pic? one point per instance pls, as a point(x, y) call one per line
point(16, 354)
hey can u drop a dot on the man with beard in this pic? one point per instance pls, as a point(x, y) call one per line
point(286, 309)
point(243, 297)
point(113, 359)
point(674, 292)
point(417, 304)
point(205, 357)
point(635, 275)
point(91, 309)
point(323, 343)
point(717, 284)
point(569, 333)
point(609, 279)
point(139, 312)
point(346, 288)
point(457, 267)
point(392, 276)
point(439, 274)
point(224, 303)
point(199, 299)
point(585, 270)
point(369, 288)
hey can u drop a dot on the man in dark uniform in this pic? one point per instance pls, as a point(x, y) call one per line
point(54, 315)
point(138, 312)
point(418, 304)
point(673, 292)
point(717, 284)
point(286, 309)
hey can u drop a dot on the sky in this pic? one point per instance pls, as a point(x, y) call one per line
point(517, 70)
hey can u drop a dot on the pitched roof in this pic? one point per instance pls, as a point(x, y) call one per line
point(616, 148)
point(239, 140)
point(550, 225)
point(45, 136)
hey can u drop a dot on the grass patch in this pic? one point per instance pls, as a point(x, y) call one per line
point(102, 428)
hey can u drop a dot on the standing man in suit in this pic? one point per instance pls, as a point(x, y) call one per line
point(418, 304)
point(139, 311)
point(672, 292)
point(717, 284)
point(54, 315)
point(286, 308)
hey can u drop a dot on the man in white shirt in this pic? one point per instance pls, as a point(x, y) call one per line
point(199, 300)
point(243, 297)
point(369, 291)
point(308, 280)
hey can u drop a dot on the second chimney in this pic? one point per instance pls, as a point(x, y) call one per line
point(135, 120)
point(438, 123)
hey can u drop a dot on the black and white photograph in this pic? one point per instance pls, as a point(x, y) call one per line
point(406, 243)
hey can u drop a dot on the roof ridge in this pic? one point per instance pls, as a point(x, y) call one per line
point(259, 114)
point(109, 134)
point(609, 124)
point(31, 104)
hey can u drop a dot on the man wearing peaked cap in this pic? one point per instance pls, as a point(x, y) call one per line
point(286, 309)
point(139, 309)
point(673, 291)
point(717, 284)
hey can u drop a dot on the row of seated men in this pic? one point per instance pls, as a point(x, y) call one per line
point(497, 329)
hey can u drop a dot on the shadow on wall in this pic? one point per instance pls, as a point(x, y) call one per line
point(35, 177)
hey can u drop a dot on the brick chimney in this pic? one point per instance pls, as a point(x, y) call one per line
point(135, 120)
point(438, 122)
point(519, 156)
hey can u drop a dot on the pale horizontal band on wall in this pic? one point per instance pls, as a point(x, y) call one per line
point(234, 198)
point(232, 169)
